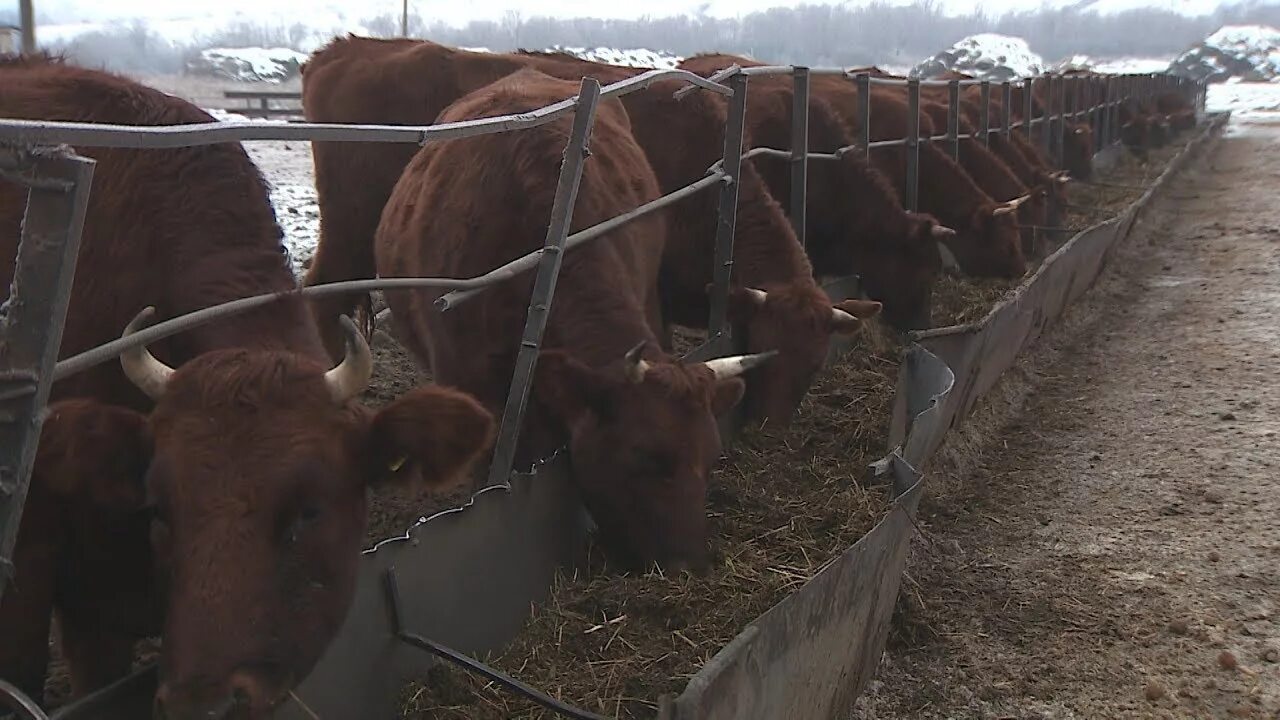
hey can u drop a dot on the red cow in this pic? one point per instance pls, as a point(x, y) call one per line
point(994, 176)
point(640, 426)
point(249, 474)
point(682, 140)
point(855, 219)
point(776, 304)
point(986, 240)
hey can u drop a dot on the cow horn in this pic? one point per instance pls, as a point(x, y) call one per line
point(727, 367)
point(139, 365)
point(949, 261)
point(757, 296)
point(841, 316)
point(351, 376)
point(942, 231)
point(1010, 206)
point(635, 366)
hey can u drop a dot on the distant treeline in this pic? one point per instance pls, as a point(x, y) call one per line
point(810, 34)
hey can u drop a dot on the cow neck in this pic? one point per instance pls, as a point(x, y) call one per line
point(765, 248)
point(596, 321)
point(946, 190)
point(995, 173)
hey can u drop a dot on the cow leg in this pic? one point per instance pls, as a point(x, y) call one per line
point(96, 656)
point(25, 613)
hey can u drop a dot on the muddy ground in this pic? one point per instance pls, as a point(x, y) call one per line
point(1110, 548)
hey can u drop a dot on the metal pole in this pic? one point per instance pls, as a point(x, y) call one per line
point(953, 119)
point(1006, 108)
point(404, 18)
point(864, 111)
point(1028, 87)
point(727, 210)
point(33, 320)
point(1046, 128)
point(1060, 136)
point(799, 149)
point(28, 13)
point(984, 114)
point(912, 191)
point(544, 286)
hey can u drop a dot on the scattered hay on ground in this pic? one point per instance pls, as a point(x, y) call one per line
point(782, 505)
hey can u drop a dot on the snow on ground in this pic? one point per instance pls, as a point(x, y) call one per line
point(986, 55)
point(1250, 52)
point(249, 63)
point(1244, 99)
point(287, 166)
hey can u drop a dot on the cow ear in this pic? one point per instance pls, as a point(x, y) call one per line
point(431, 432)
point(90, 450)
point(727, 393)
point(568, 388)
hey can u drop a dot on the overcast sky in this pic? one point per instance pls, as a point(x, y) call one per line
point(456, 13)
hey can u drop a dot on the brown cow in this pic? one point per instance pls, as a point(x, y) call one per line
point(855, 219)
point(994, 176)
point(640, 427)
point(249, 474)
point(986, 242)
point(682, 139)
point(776, 304)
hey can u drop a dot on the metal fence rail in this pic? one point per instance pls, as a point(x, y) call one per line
point(59, 193)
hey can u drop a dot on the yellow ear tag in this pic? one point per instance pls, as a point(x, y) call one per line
point(395, 466)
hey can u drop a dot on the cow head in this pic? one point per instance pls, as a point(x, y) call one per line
point(900, 270)
point(797, 321)
point(991, 245)
point(1159, 129)
point(257, 465)
point(1135, 133)
point(642, 442)
point(1077, 150)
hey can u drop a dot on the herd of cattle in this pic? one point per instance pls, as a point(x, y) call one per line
point(212, 489)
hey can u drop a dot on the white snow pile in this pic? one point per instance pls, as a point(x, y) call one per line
point(1248, 52)
point(638, 58)
point(987, 55)
point(249, 63)
point(1114, 66)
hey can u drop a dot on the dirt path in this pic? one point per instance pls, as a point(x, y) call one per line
point(1115, 553)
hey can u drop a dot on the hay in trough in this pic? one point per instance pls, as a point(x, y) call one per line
point(782, 505)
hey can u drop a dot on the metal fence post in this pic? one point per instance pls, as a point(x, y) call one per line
point(1046, 128)
point(1060, 133)
point(544, 285)
point(32, 320)
point(799, 149)
point(863, 81)
point(1006, 108)
point(984, 113)
point(727, 210)
point(1028, 88)
point(911, 193)
point(953, 119)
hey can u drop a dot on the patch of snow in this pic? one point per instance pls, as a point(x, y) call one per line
point(1114, 66)
point(249, 63)
point(987, 55)
point(1250, 52)
point(638, 57)
point(1244, 99)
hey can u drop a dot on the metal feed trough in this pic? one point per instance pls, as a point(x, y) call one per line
point(807, 657)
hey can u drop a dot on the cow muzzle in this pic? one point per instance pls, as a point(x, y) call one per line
point(243, 697)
